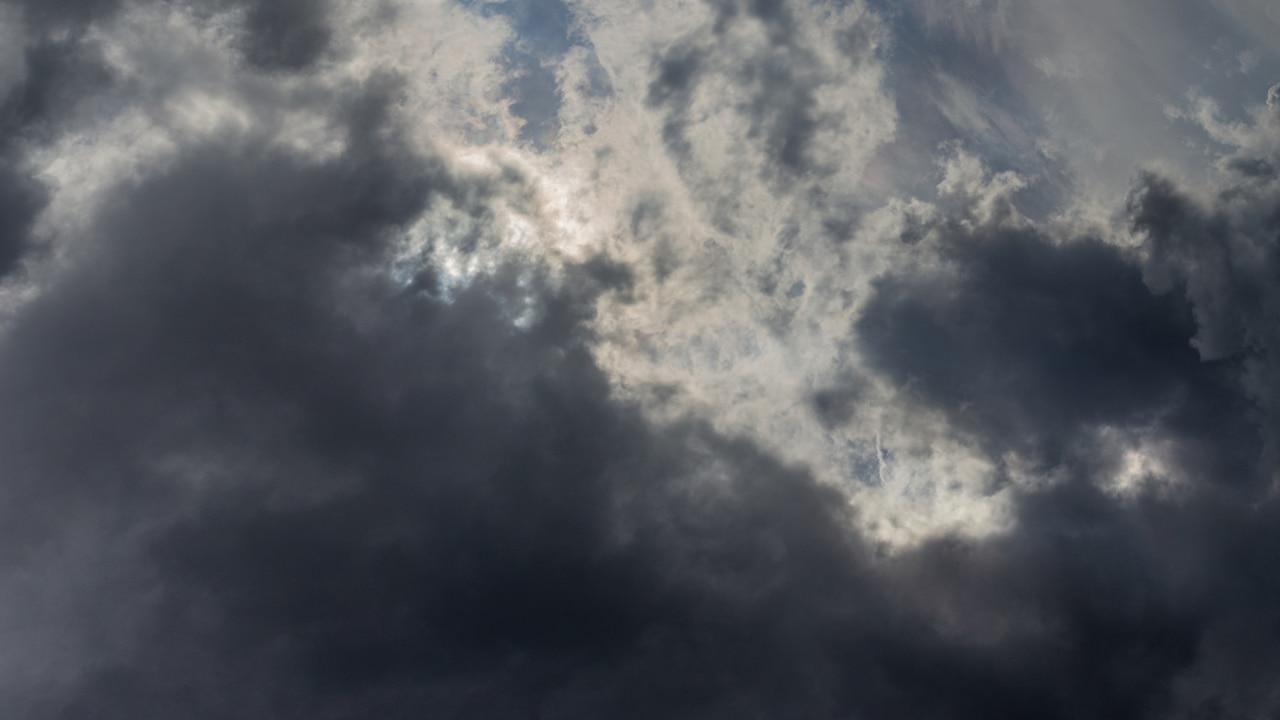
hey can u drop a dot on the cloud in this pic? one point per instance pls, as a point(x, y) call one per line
point(293, 485)
point(287, 35)
point(1076, 98)
point(66, 12)
point(21, 199)
point(53, 73)
point(598, 359)
point(1032, 344)
point(1222, 253)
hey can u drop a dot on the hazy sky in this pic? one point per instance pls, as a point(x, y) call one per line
point(653, 359)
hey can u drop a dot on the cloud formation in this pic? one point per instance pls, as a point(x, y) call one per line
point(598, 359)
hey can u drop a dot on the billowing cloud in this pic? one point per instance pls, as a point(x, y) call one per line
point(571, 359)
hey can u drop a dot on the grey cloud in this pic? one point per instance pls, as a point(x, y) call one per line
point(59, 75)
point(21, 198)
point(1253, 168)
point(1109, 610)
point(192, 239)
point(1225, 257)
point(1138, 608)
point(64, 71)
point(284, 34)
point(1031, 343)
point(275, 35)
point(63, 13)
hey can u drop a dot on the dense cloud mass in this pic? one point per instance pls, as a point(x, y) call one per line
point(583, 359)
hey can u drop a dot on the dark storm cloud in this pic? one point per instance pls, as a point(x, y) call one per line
point(1226, 258)
point(1033, 345)
point(1106, 608)
point(1093, 608)
point(58, 75)
point(197, 239)
point(283, 34)
point(21, 198)
point(1152, 607)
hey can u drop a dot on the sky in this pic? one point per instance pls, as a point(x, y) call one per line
point(639, 359)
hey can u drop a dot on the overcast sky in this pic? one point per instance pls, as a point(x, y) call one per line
point(652, 359)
